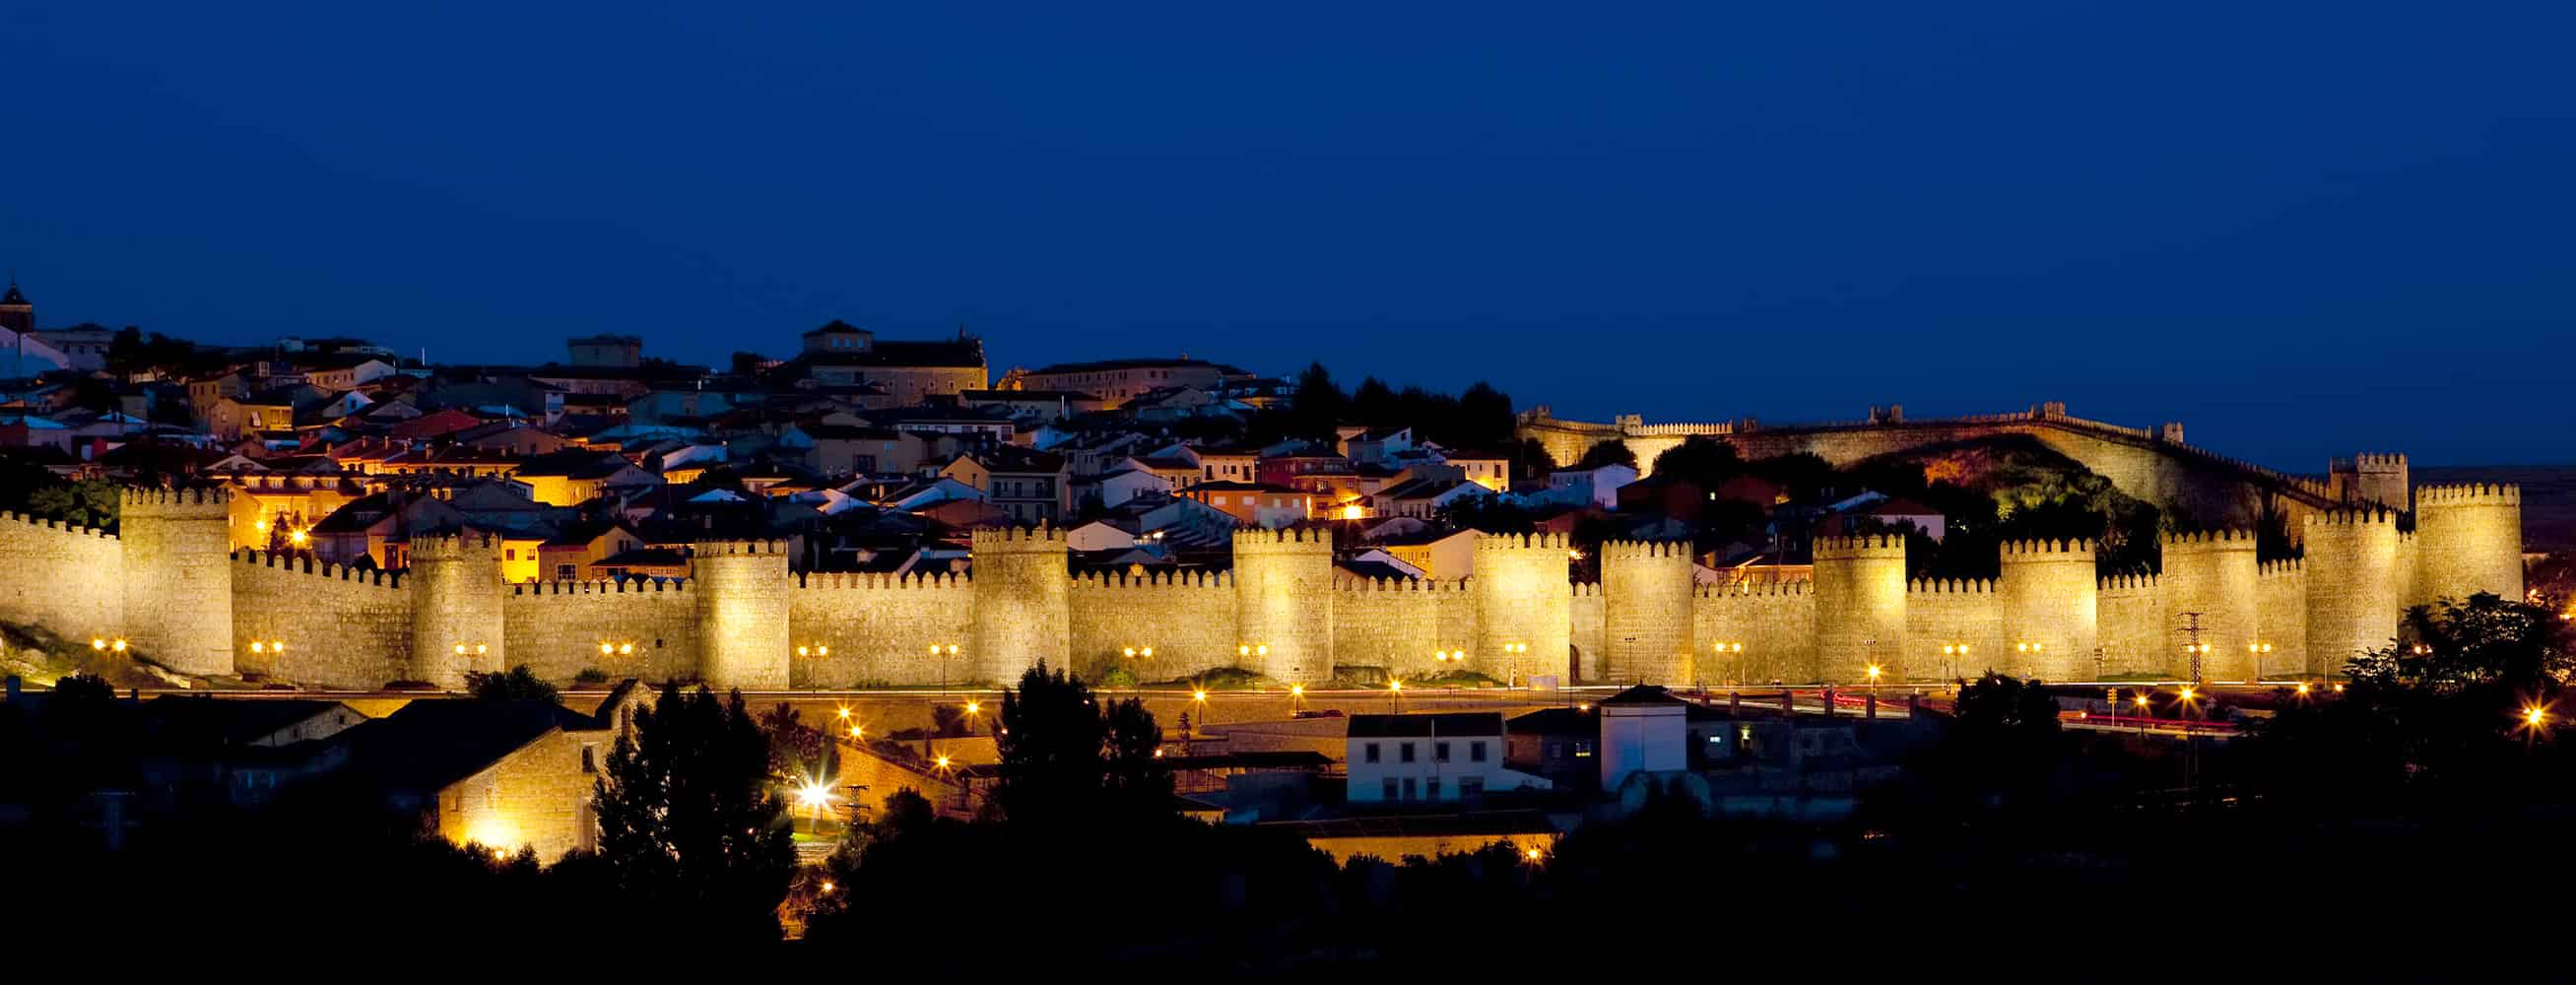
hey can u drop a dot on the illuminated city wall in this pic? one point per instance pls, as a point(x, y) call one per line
point(169, 586)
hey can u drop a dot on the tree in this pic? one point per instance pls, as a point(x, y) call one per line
point(83, 502)
point(797, 752)
point(1066, 759)
point(749, 363)
point(2486, 646)
point(1609, 451)
point(1702, 460)
point(518, 684)
point(691, 828)
point(1319, 403)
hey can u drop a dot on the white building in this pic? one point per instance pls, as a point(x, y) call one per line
point(1435, 757)
point(1643, 730)
point(1598, 486)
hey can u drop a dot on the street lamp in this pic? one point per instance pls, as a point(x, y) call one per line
point(2258, 649)
point(1738, 650)
point(1395, 688)
point(943, 657)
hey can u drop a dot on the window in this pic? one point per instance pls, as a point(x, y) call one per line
point(1404, 752)
point(1433, 787)
point(1471, 786)
point(1370, 752)
point(1582, 749)
point(563, 571)
point(1439, 752)
point(1389, 788)
point(589, 758)
point(1476, 752)
point(1408, 788)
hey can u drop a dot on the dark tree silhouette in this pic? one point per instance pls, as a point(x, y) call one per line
point(692, 830)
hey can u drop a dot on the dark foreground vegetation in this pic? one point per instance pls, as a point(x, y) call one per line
point(2417, 817)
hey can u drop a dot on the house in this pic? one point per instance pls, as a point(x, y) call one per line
point(1424, 498)
point(1445, 555)
point(1126, 484)
point(574, 476)
point(1116, 381)
point(376, 530)
point(623, 351)
point(1042, 405)
point(85, 346)
point(1227, 465)
point(1492, 470)
point(850, 449)
point(504, 775)
point(232, 418)
point(1597, 486)
point(1030, 487)
point(1644, 729)
point(1441, 757)
point(839, 354)
point(1253, 504)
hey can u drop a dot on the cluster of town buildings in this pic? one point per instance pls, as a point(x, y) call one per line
point(874, 455)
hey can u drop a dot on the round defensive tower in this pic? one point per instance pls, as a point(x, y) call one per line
point(456, 592)
point(2213, 575)
point(177, 545)
point(742, 591)
point(2052, 612)
point(1646, 592)
point(1524, 605)
point(2353, 585)
point(2468, 539)
point(1283, 581)
point(1023, 604)
point(1860, 608)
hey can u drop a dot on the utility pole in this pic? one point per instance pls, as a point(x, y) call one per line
point(2190, 630)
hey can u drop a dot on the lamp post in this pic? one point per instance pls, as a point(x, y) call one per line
point(1395, 689)
point(1951, 653)
point(943, 656)
point(2258, 649)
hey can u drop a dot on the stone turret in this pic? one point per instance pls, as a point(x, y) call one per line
point(2468, 539)
point(1860, 608)
point(1646, 592)
point(2052, 609)
point(2213, 574)
point(1283, 582)
point(1023, 604)
point(1523, 605)
point(179, 577)
point(456, 608)
point(2354, 584)
point(742, 590)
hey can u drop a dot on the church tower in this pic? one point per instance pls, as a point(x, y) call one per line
point(16, 314)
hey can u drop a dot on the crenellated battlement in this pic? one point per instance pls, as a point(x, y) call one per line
point(2356, 516)
point(1524, 542)
point(1110, 580)
point(199, 500)
point(603, 586)
point(1286, 539)
point(1863, 545)
point(872, 581)
point(2126, 583)
point(2223, 540)
point(2369, 462)
point(1418, 585)
point(50, 523)
point(1757, 589)
point(1043, 537)
point(1950, 586)
point(2288, 567)
point(2034, 549)
point(2474, 494)
point(301, 565)
point(1634, 550)
point(450, 546)
point(1587, 589)
point(724, 548)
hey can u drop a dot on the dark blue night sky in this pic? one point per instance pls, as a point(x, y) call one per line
point(2303, 229)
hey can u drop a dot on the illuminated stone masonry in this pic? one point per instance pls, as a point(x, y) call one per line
point(171, 586)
